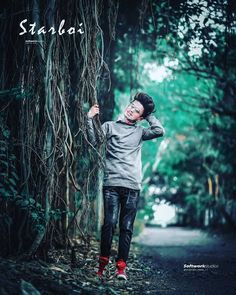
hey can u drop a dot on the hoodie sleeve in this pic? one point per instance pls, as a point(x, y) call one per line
point(155, 130)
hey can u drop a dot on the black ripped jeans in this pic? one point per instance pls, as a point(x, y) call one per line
point(124, 200)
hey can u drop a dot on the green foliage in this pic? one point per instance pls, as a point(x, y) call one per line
point(15, 94)
point(37, 213)
point(189, 68)
point(11, 197)
point(8, 175)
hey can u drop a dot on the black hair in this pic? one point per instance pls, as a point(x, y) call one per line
point(147, 102)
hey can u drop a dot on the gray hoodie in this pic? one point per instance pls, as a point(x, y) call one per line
point(123, 166)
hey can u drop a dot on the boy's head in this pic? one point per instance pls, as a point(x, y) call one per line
point(141, 106)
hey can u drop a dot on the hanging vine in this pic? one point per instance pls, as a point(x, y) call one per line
point(59, 170)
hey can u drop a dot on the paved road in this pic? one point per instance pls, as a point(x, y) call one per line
point(186, 261)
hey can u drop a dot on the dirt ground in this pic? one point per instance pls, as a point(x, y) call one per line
point(165, 261)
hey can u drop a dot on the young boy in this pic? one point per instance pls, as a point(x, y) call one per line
point(123, 173)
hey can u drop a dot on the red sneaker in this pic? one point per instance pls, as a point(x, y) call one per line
point(103, 261)
point(121, 265)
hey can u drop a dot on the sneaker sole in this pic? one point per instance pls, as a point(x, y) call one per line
point(122, 277)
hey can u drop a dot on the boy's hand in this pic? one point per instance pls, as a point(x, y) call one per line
point(94, 110)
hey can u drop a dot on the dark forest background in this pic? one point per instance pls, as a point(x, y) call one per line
point(180, 52)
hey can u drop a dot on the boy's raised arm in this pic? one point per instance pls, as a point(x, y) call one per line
point(94, 110)
point(155, 130)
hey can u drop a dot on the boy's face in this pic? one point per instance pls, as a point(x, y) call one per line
point(134, 111)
